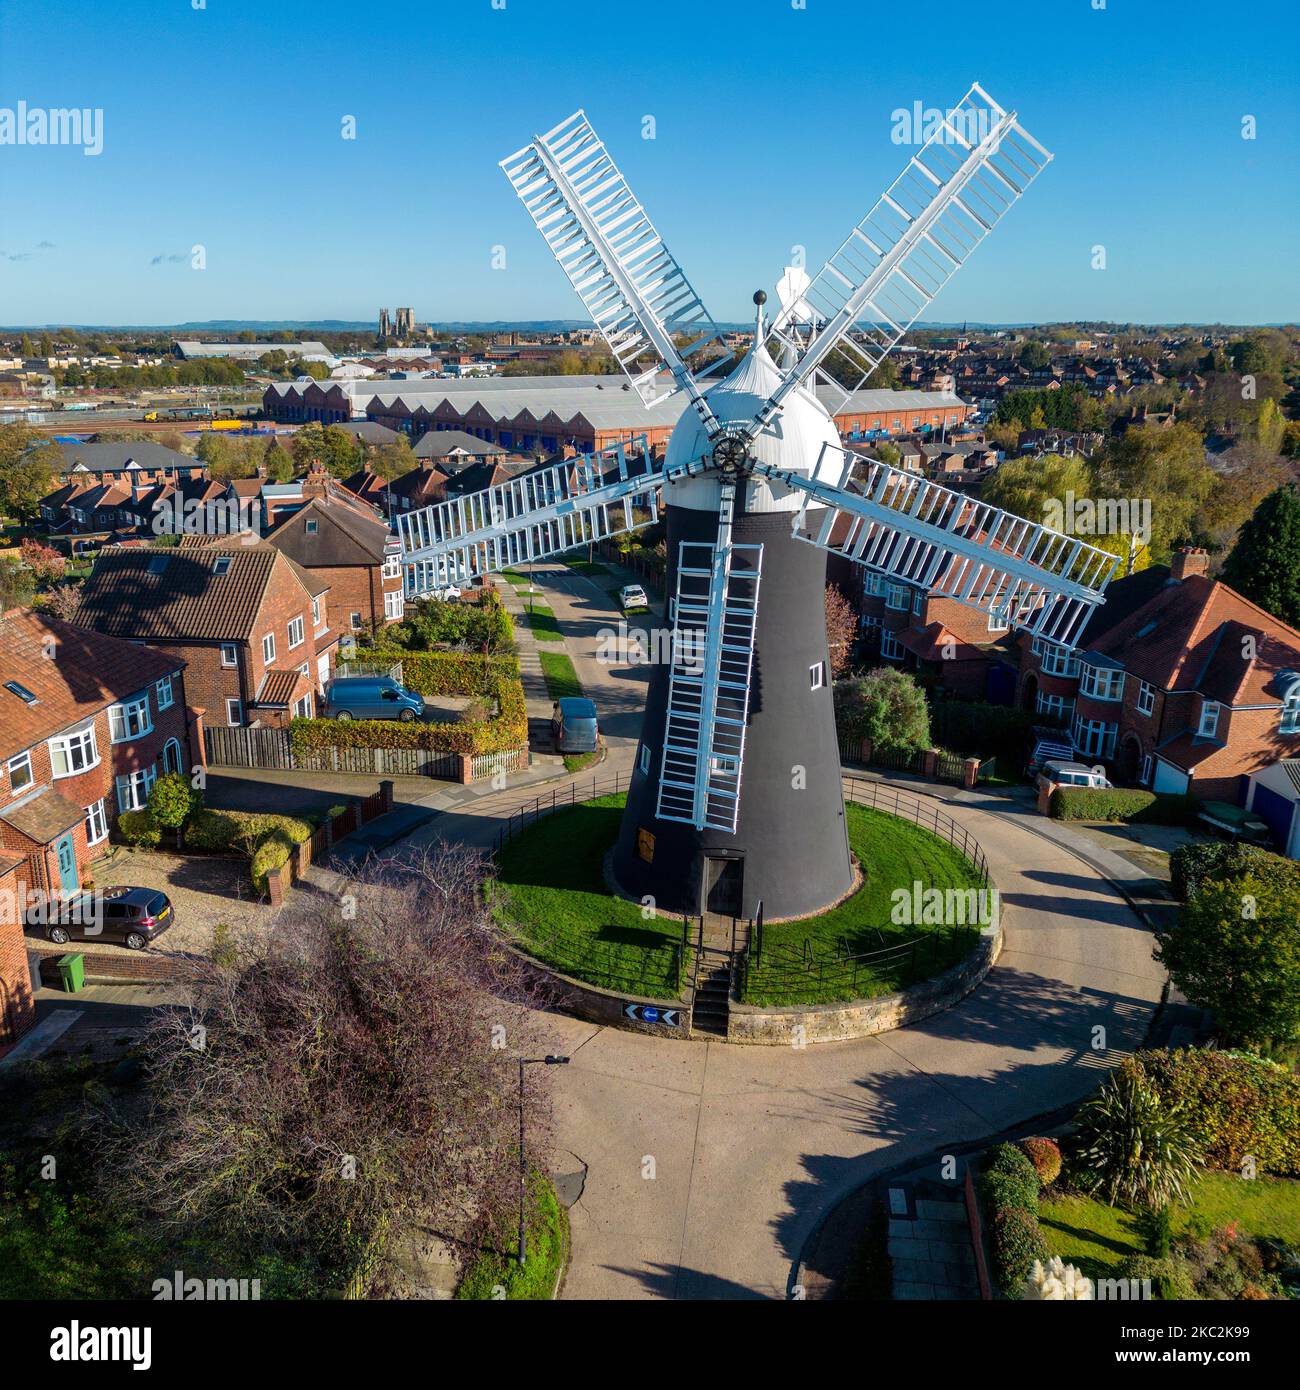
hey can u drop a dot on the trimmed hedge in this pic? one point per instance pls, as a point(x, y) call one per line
point(1192, 865)
point(267, 839)
point(1009, 1190)
point(1236, 1104)
point(432, 673)
point(139, 828)
point(1122, 804)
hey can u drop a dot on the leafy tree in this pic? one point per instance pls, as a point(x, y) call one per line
point(17, 584)
point(277, 463)
point(1270, 426)
point(1236, 951)
point(340, 453)
point(27, 464)
point(1134, 554)
point(391, 460)
point(1166, 467)
point(886, 706)
point(62, 601)
point(1264, 565)
point(45, 563)
point(1133, 1146)
point(841, 629)
point(1037, 488)
point(1034, 357)
point(172, 802)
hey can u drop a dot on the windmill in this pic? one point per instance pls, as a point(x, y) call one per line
point(757, 490)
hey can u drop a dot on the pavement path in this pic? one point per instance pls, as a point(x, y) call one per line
point(706, 1165)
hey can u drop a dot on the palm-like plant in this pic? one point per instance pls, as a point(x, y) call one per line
point(1136, 1149)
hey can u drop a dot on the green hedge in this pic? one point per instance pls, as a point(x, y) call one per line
point(1192, 865)
point(1237, 1105)
point(1009, 1191)
point(1122, 804)
point(267, 839)
point(432, 673)
point(139, 828)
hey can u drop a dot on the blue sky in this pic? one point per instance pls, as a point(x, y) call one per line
point(222, 128)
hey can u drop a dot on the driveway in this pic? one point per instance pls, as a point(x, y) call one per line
point(705, 1166)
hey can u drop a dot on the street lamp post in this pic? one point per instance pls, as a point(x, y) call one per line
point(550, 1060)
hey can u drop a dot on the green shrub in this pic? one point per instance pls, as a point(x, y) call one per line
point(1238, 1106)
point(1002, 1190)
point(1045, 1155)
point(272, 853)
point(1168, 1278)
point(211, 831)
point(1157, 1230)
point(173, 801)
point(243, 831)
point(1011, 1160)
point(1192, 865)
point(1122, 804)
point(1017, 1242)
point(139, 828)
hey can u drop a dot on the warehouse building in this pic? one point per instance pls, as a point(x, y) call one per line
point(550, 413)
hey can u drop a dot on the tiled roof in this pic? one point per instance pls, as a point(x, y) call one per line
point(185, 597)
point(72, 673)
point(43, 816)
point(277, 688)
point(110, 457)
point(438, 443)
point(344, 536)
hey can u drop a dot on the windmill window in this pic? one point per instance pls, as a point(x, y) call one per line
point(724, 765)
point(817, 675)
point(644, 759)
point(1291, 713)
point(311, 528)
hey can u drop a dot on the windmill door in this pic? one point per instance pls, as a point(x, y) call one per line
point(724, 882)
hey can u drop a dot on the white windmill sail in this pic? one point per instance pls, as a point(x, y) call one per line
point(541, 513)
point(893, 263)
point(636, 293)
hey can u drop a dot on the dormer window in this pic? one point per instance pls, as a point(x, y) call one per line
point(1209, 724)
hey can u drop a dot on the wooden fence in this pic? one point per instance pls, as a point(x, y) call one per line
point(273, 749)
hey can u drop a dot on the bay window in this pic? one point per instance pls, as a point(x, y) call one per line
point(898, 598)
point(1101, 683)
point(1057, 660)
point(130, 719)
point(74, 752)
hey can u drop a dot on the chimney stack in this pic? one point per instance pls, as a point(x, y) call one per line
point(1189, 561)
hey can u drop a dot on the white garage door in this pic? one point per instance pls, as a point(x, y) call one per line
point(1168, 779)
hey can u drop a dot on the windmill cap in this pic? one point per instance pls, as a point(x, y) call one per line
point(760, 296)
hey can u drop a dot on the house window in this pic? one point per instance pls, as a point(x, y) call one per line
point(295, 632)
point(133, 789)
point(1209, 724)
point(311, 528)
point(918, 599)
point(130, 719)
point(74, 752)
point(392, 566)
point(394, 604)
point(898, 598)
point(229, 654)
point(20, 772)
point(302, 708)
point(875, 584)
point(1093, 738)
point(890, 647)
point(315, 613)
point(268, 647)
point(1291, 713)
point(1101, 683)
point(221, 565)
point(163, 692)
point(643, 758)
point(999, 620)
point(1145, 775)
point(1056, 660)
point(817, 675)
point(1056, 705)
point(358, 622)
point(1146, 700)
point(234, 713)
point(96, 823)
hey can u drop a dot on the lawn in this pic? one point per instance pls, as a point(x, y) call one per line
point(550, 892)
point(542, 621)
point(561, 675)
point(1096, 1237)
point(494, 1274)
point(802, 961)
point(587, 568)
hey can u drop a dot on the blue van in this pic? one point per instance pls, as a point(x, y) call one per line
point(371, 697)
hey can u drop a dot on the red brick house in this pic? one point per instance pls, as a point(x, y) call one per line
point(87, 723)
point(251, 626)
point(1177, 683)
point(344, 545)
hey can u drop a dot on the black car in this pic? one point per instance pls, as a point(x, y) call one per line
point(132, 916)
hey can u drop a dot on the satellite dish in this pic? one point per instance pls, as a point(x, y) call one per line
point(790, 291)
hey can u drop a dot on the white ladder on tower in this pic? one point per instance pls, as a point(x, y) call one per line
point(715, 613)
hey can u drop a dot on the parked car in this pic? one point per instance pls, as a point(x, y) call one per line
point(132, 916)
point(573, 725)
point(447, 594)
point(633, 598)
point(1070, 774)
point(371, 697)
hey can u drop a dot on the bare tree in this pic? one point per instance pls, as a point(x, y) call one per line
point(351, 1075)
point(841, 629)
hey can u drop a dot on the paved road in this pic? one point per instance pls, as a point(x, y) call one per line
point(707, 1165)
